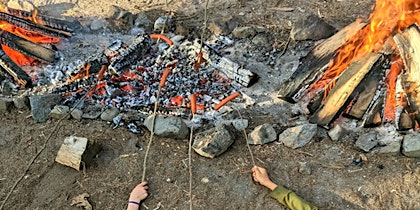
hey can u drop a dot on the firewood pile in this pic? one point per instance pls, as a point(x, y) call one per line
point(367, 72)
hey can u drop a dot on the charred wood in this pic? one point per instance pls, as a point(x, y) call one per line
point(343, 89)
point(373, 116)
point(235, 72)
point(18, 74)
point(314, 64)
point(409, 46)
point(366, 92)
point(51, 22)
point(140, 46)
point(28, 48)
point(31, 26)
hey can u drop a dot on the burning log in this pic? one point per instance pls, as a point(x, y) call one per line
point(58, 24)
point(27, 47)
point(315, 63)
point(409, 45)
point(32, 26)
point(20, 76)
point(344, 88)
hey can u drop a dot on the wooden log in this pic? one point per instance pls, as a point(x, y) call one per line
point(344, 87)
point(28, 48)
point(314, 64)
point(373, 116)
point(77, 150)
point(365, 92)
point(235, 72)
point(409, 46)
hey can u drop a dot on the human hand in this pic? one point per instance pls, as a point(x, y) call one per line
point(260, 175)
point(139, 192)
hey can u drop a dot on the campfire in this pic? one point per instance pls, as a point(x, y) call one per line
point(125, 76)
point(369, 72)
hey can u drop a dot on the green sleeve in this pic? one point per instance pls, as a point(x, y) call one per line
point(290, 199)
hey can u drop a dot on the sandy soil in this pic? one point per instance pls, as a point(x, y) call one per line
point(381, 182)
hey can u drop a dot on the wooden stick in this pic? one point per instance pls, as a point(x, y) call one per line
point(193, 111)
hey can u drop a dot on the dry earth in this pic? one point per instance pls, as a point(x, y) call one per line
point(381, 182)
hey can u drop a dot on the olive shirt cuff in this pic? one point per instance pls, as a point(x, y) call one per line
point(290, 199)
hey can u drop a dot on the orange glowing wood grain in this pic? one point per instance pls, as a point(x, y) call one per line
point(163, 37)
point(101, 72)
point(227, 99)
point(193, 103)
point(164, 76)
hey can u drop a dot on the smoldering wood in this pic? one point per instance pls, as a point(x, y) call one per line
point(405, 122)
point(140, 46)
point(409, 46)
point(314, 64)
point(18, 74)
point(316, 101)
point(31, 26)
point(51, 22)
point(344, 87)
point(366, 91)
point(28, 48)
point(235, 72)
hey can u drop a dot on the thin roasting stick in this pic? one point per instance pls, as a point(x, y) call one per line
point(193, 112)
point(152, 132)
point(246, 139)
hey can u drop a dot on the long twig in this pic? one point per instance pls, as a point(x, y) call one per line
point(152, 132)
point(42, 149)
point(246, 139)
point(204, 25)
point(189, 159)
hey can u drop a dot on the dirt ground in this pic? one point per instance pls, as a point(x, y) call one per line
point(335, 182)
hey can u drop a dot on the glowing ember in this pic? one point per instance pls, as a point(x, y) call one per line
point(391, 82)
point(388, 18)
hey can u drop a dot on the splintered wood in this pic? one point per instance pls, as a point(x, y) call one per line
point(409, 45)
point(315, 63)
point(344, 87)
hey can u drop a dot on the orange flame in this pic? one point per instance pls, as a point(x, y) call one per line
point(17, 57)
point(391, 82)
point(388, 18)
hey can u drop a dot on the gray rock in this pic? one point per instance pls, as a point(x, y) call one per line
point(240, 124)
point(77, 114)
point(213, 142)
point(262, 134)
point(167, 126)
point(394, 148)
point(109, 114)
point(298, 136)
point(60, 112)
point(21, 101)
point(98, 24)
point(304, 168)
point(41, 106)
point(367, 141)
point(8, 88)
point(336, 132)
point(143, 21)
point(261, 40)
point(92, 112)
point(163, 22)
point(6, 104)
point(121, 15)
point(311, 27)
point(243, 32)
point(411, 145)
point(219, 27)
